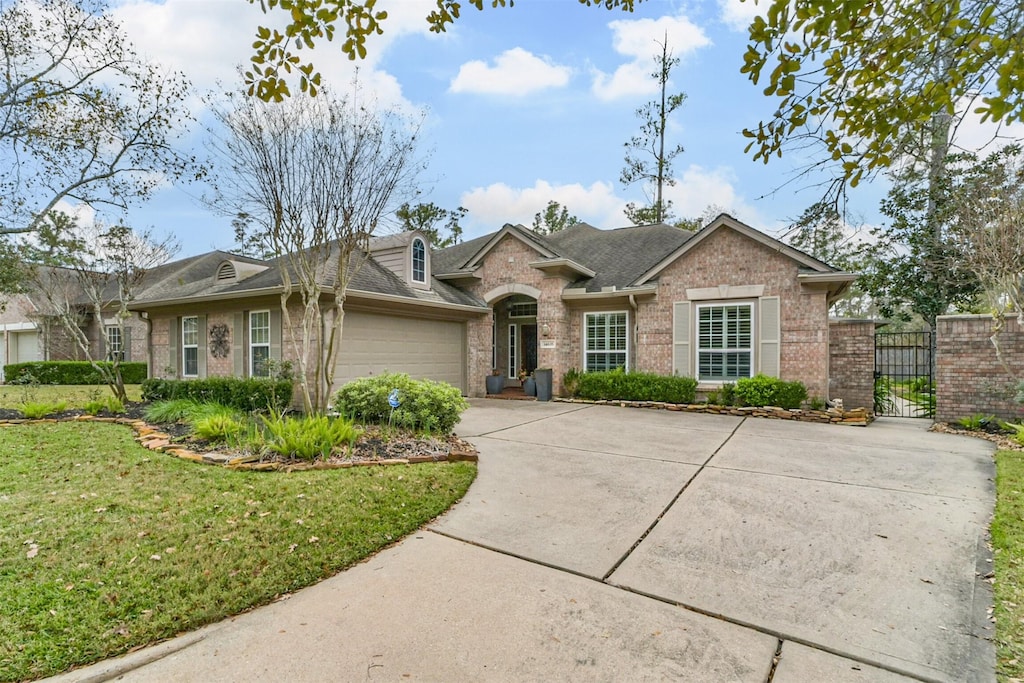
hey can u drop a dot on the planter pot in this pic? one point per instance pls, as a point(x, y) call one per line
point(530, 386)
point(495, 383)
point(543, 377)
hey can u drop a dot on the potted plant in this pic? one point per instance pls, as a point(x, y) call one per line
point(495, 382)
point(529, 383)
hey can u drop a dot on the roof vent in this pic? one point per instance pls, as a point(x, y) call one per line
point(226, 271)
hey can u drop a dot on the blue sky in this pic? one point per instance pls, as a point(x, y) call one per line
point(525, 104)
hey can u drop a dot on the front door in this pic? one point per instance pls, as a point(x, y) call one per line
point(529, 347)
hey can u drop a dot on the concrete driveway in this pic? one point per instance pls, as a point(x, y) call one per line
point(611, 544)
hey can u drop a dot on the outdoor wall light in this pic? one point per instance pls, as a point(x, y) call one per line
point(545, 329)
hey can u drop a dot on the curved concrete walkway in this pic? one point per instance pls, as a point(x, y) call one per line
point(611, 544)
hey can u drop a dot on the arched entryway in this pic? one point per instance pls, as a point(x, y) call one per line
point(514, 336)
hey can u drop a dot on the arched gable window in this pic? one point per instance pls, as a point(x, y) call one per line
point(419, 260)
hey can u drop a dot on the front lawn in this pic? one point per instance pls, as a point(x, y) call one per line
point(75, 395)
point(1008, 545)
point(105, 546)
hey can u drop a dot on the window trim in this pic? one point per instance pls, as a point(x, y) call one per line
point(412, 270)
point(108, 333)
point(513, 350)
point(186, 346)
point(751, 349)
point(530, 305)
point(260, 345)
point(586, 337)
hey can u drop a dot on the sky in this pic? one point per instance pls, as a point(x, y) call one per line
point(523, 105)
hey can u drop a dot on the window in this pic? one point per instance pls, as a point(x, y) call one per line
point(522, 309)
point(259, 343)
point(190, 346)
point(725, 346)
point(606, 341)
point(513, 371)
point(419, 261)
point(115, 345)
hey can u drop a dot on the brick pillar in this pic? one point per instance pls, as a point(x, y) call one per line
point(851, 366)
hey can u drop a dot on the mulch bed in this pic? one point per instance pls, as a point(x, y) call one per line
point(377, 444)
point(1000, 438)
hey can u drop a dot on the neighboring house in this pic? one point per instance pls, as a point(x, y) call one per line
point(723, 303)
point(28, 333)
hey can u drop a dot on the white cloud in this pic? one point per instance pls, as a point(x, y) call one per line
point(638, 40)
point(515, 72)
point(699, 187)
point(737, 15)
point(208, 40)
point(492, 206)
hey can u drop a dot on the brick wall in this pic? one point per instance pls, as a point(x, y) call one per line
point(970, 377)
point(729, 258)
point(852, 362)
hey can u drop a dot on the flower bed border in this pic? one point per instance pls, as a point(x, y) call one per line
point(153, 439)
point(858, 417)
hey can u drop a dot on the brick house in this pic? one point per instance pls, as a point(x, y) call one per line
point(722, 303)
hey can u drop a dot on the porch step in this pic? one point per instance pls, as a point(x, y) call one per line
point(512, 394)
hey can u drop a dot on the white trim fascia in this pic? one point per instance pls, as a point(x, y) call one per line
point(836, 277)
point(725, 221)
point(579, 294)
point(18, 327)
point(458, 275)
point(725, 292)
point(508, 229)
point(566, 263)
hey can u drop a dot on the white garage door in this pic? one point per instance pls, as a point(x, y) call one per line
point(425, 349)
point(26, 347)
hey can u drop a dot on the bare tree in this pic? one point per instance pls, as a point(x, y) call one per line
point(314, 177)
point(94, 272)
point(82, 117)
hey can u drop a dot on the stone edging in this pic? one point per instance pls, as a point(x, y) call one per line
point(858, 417)
point(149, 437)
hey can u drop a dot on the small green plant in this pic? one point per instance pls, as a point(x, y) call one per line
point(308, 437)
point(883, 398)
point(163, 412)
point(571, 382)
point(816, 403)
point(977, 422)
point(219, 427)
point(35, 410)
point(1018, 432)
point(100, 401)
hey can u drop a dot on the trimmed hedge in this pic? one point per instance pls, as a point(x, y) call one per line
point(636, 386)
point(424, 404)
point(233, 392)
point(762, 390)
point(69, 372)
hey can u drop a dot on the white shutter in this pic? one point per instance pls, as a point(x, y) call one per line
point(202, 350)
point(769, 336)
point(681, 339)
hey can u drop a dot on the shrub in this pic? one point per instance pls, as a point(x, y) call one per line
point(35, 410)
point(218, 427)
point(68, 372)
point(424, 404)
point(883, 398)
point(234, 392)
point(571, 381)
point(637, 386)
point(308, 437)
point(111, 404)
point(762, 390)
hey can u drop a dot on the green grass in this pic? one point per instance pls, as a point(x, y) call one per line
point(76, 396)
point(1008, 545)
point(105, 546)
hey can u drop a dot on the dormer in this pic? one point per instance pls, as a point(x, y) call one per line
point(407, 255)
point(230, 271)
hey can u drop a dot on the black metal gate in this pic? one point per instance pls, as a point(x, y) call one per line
point(904, 385)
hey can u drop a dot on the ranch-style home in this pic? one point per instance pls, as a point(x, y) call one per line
point(719, 304)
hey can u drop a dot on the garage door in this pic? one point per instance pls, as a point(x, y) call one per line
point(425, 349)
point(26, 347)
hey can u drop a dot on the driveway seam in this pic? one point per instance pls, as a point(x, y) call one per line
point(779, 635)
point(672, 502)
point(528, 422)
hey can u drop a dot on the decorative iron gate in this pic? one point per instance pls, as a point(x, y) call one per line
point(904, 385)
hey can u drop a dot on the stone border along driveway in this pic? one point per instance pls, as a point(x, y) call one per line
point(618, 545)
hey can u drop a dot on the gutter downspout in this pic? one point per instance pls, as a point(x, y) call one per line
point(144, 316)
point(636, 328)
